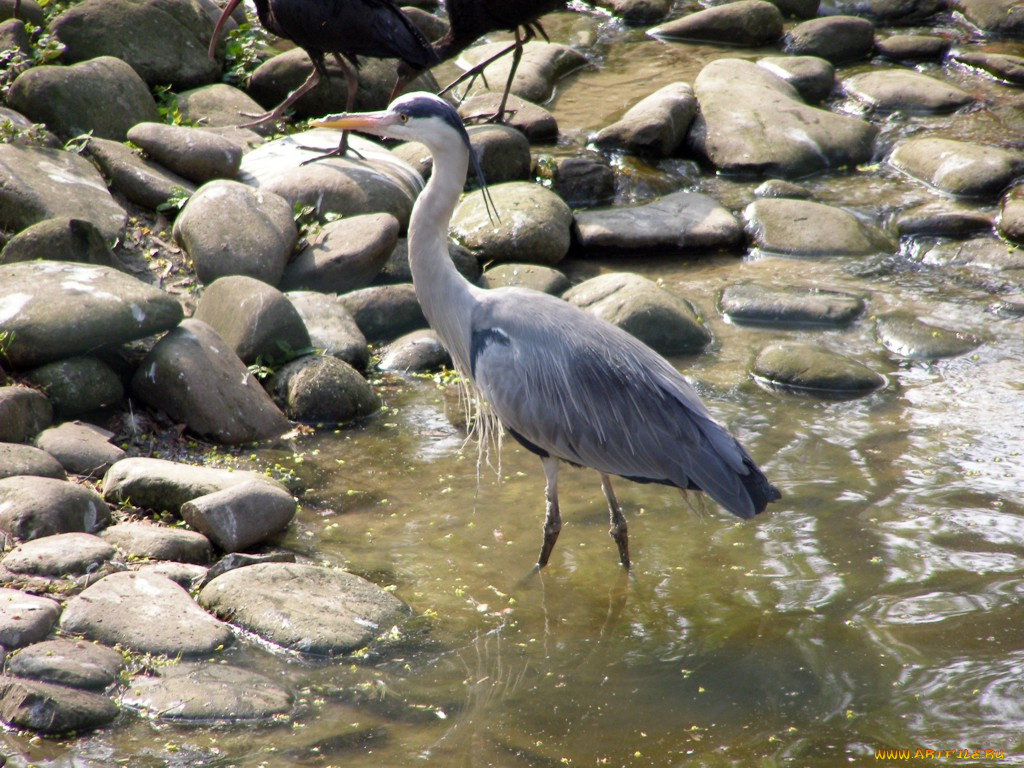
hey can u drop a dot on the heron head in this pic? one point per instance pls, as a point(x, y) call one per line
point(416, 116)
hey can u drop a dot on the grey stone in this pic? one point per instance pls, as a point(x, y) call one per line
point(229, 228)
point(195, 153)
point(813, 369)
point(241, 516)
point(806, 228)
point(780, 188)
point(385, 312)
point(64, 661)
point(659, 318)
point(813, 77)
point(24, 412)
point(909, 337)
point(60, 239)
point(158, 542)
point(1003, 67)
point(17, 459)
point(33, 507)
point(415, 352)
point(789, 305)
point(331, 327)
point(397, 269)
point(532, 120)
point(161, 485)
point(541, 67)
point(205, 693)
point(958, 168)
point(678, 223)
point(194, 377)
point(839, 39)
point(534, 222)
point(306, 608)
point(943, 218)
point(187, 575)
point(52, 709)
point(742, 23)
point(980, 253)
point(343, 255)
point(109, 308)
point(78, 385)
point(220, 105)
point(82, 449)
point(905, 91)
point(638, 12)
point(141, 182)
point(42, 183)
point(146, 613)
point(25, 619)
point(580, 180)
point(996, 17)
point(657, 124)
point(892, 12)
point(534, 276)
point(913, 47)
point(322, 389)
point(26, 10)
point(103, 96)
point(1010, 223)
point(255, 319)
point(63, 554)
point(503, 152)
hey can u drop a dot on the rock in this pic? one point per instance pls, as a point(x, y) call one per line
point(542, 65)
point(33, 507)
point(195, 153)
point(194, 377)
point(639, 12)
point(25, 619)
point(813, 369)
point(78, 385)
point(913, 47)
point(657, 124)
point(385, 312)
point(839, 39)
point(996, 17)
point(82, 449)
point(660, 319)
point(27, 10)
point(416, 352)
point(164, 42)
point(678, 223)
point(163, 485)
point(205, 693)
point(63, 554)
point(943, 218)
point(397, 269)
point(319, 389)
point(533, 276)
point(60, 239)
point(984, 253)
point(807, 229)
point(343, 255)
point(229, 228)
point(779, 188)
point(255, 319)
point(42, 184)
point(141, 181)
point(740, 23)
point(1010, 223)
point(892, 12)
point(905, 91)
point(103, 96)
point(581, 180)
point(234, 560)
point(532, 120)
point(957, 167)
point(52, 709)
point(140, 540)
point(503, 152)
point(909, 337)
point(187, 575)
point(241, 516)
point(17, 459)
point(109, 308)
point(813, 77)
point(534, 224)
point(1003, 67)
point(748, 120)
point(64, 661)
point(223, 106)
point(305, 608)
point(331, 327)
point(789, 305)
point(146, 613)
point(24, 412)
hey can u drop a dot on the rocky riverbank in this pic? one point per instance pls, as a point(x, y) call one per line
point(166, 266)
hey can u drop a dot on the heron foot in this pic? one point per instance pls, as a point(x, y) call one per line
point(551, 532)
point(619, 532)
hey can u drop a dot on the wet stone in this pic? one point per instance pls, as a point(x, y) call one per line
point(789, 305)
point(64, 661)
point(740, 23)
point(317, 389)
point(813, 77)
point(1003, 67)
point(905, 91)
point(397, 269)
point(78, 385)
point(157, 542)
point(24, 412)
point(983, 253)
point(305, 608)
point(1010, 223)
point(415, 352)
point(65, 554)
point(82, 449)
point(780, 188)
point(958, 167)
point(34, 507)
point(238, 517)
point(656, 125)
point(581, 180)
point(909, 337)
point(18, 459)
point(839, 39)
point(804, 228)
point(207, 692)
point(533, 276)
point(147, 613)
point(52, 709)
point(996, 17)
point(813, 369)
point(541, 66)
point(24, 618)
point(943, 218)
point(532, 120)
point(913, 47)
point(331, 328)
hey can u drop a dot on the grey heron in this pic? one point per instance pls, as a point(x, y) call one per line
point(565, 384)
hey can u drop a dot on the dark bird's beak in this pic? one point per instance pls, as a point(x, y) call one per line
point(228, 10)
point(369, 122)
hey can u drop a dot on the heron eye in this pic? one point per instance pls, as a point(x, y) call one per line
point(403, 117)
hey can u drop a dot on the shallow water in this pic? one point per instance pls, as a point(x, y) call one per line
point(878, 605)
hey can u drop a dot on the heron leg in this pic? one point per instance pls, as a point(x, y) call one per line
point(619, 529)
point(552, 519)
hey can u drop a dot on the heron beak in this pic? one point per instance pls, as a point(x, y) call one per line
point(376, 123)
point(228, 10)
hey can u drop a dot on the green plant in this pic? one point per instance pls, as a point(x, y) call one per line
point(265, 367)
point(44, 49)
point(243, 53)
point(179, 196)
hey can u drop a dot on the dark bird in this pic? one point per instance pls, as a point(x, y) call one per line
point(564, 383)
point(345, 29)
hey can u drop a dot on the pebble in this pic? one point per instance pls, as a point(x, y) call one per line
point(141, 181)
point(147, 541)
point(78, 385)
point(52, 709)
point(956, 167)
point(343, 255)
point(238, 517)
point(331, 327)
point(814, 370)
point(913, 92)
point(320, 389)
point(656, 125)
point(839, 39)
point(415, 352)
point(384, 312)
point(33, 507)
point(65, 554)
point(805, 228)
point(534, 276)
point(24, 412)
point(18, 459)
point(915, 339)
point(24, 618)
point(66, 661)
point(741, 23)
point(789, 305)
point(82, 449)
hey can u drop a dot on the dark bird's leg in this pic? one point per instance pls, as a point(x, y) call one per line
point(552, 519)
point(618, 530)
point(278, 112)
point(352, 83)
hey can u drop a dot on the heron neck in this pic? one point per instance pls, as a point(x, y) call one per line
point(444, 294)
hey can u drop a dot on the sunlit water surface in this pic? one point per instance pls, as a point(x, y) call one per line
point(877, 605)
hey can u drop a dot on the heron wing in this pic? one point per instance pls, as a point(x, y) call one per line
point(571, 385)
